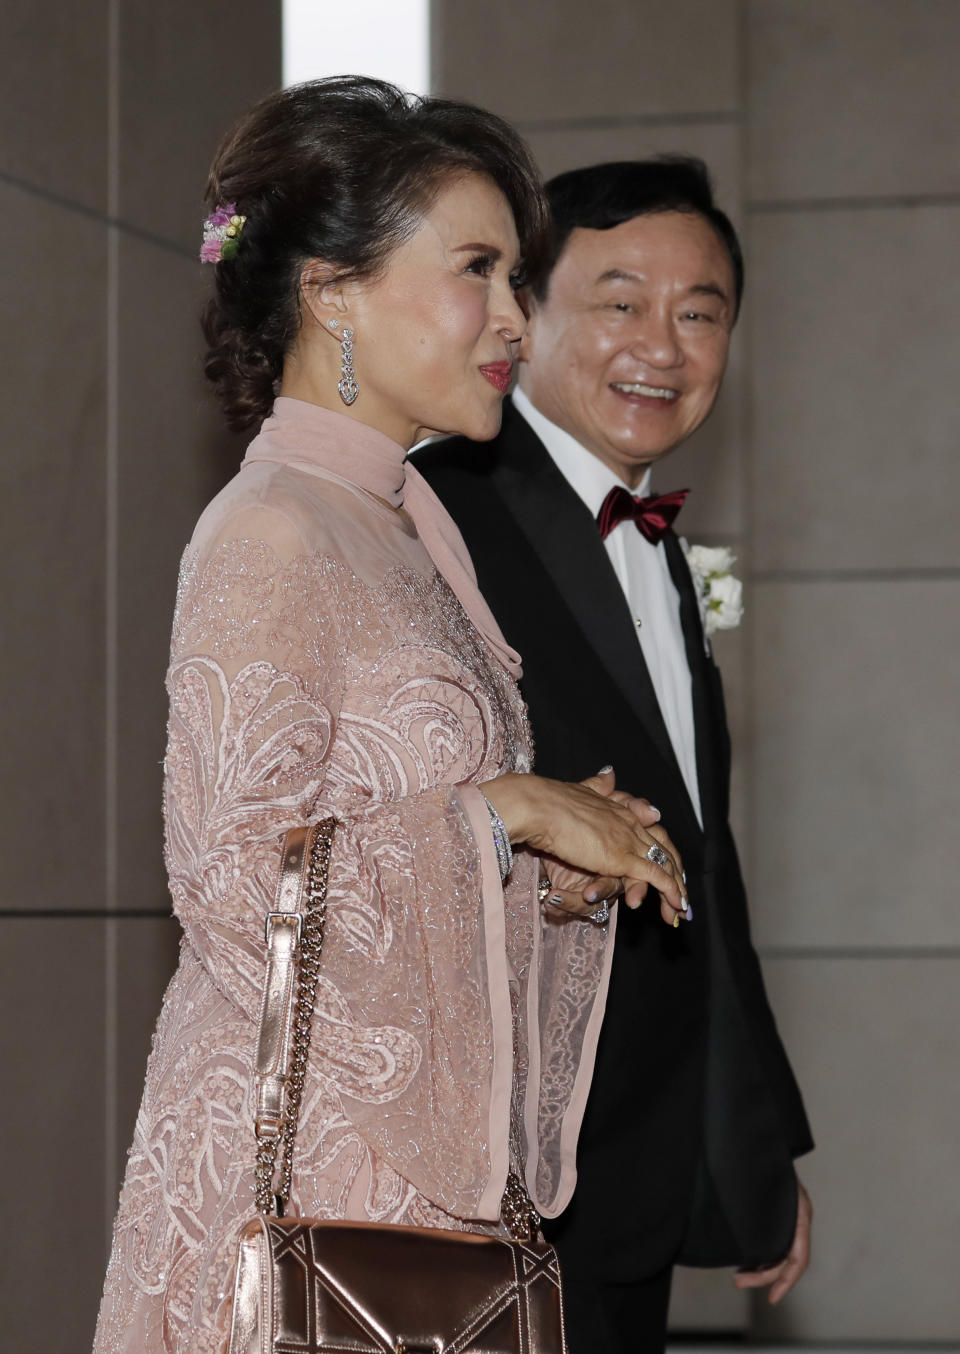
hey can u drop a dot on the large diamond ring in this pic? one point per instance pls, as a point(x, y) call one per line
point(601, 914)
point(657, 856)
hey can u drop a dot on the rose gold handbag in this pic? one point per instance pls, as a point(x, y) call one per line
point(305, 1287)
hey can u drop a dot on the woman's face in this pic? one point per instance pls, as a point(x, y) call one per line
point(435, 332)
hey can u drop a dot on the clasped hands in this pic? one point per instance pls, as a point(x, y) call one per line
point(593, 840)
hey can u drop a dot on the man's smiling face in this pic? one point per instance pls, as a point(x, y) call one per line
point(627, 350)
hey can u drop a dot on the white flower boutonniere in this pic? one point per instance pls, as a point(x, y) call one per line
point(719, 593)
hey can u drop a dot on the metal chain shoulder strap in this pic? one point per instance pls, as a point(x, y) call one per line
point(305, 869)
point(517, 1212)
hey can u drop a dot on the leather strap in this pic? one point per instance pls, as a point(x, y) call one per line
point(294, 936)
point(275, 1023)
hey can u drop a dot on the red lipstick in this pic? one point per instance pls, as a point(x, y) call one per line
point(499, 374)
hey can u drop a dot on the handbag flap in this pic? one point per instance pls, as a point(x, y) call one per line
point(363, 1288)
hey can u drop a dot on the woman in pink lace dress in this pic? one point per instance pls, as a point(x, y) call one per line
point(331, 655)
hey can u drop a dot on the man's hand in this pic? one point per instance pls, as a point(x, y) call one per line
point(786, 1274)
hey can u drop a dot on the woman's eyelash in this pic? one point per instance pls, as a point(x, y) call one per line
point(482, 264)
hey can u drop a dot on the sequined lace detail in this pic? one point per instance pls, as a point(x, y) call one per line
point(298, 688)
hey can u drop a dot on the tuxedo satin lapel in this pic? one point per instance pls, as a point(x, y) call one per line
point(707, 712)
point(564, 535)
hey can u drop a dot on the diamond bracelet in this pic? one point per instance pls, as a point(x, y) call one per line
point(501, 840)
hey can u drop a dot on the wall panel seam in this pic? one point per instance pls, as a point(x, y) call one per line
point(776, 207)
point(859, 952)
point(106, 219)
point(604, 123)
point(879, 575)
point(111, 637)
point(84, 913)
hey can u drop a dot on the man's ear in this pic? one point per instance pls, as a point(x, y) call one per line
point(323, 294)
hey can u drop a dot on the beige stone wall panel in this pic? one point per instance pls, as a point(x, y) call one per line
point(854, 418)
point(51, 1188)
point(855, 749)
point(545, 60)
point(705, 1302)
point(873, 1041)
point(852, 98)
point(53, 97)
point(52, 354)
point(186, 71)
point(558, 149)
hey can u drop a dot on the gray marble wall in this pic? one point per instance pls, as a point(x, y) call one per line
point(110, 112)
point(832, 466)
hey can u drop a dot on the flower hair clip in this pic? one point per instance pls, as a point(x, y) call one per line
point(221, 234)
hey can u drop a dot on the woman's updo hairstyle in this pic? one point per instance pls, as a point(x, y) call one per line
point(342, 170)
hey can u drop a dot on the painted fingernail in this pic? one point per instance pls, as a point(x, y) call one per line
point(654, 809)
point(603, 770)
point(676, 919)
point(555, 901)
point(684, 873)
point(593, 896)
point(689, 913)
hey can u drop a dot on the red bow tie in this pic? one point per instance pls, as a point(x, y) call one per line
point(653, 516)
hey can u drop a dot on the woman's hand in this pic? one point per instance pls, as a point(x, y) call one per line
point(599, 835)
point(582, 893)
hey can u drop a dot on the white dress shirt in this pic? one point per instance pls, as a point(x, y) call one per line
point(644, 575)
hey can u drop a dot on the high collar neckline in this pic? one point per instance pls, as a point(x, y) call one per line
point(320, 442)
point(310, 436)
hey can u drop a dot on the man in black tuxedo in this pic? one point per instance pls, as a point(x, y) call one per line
point(694, 1117)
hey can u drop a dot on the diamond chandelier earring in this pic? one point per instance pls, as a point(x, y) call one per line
point(347, 385)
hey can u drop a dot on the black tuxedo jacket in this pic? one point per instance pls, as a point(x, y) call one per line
point(694, 1116)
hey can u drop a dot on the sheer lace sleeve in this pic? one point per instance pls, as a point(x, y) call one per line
point(295, 692)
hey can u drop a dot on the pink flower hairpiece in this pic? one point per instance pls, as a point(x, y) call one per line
point(221, 233)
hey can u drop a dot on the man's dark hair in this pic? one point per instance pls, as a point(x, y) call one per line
point(603, 196)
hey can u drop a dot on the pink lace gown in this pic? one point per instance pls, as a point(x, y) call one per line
point(328, 657)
